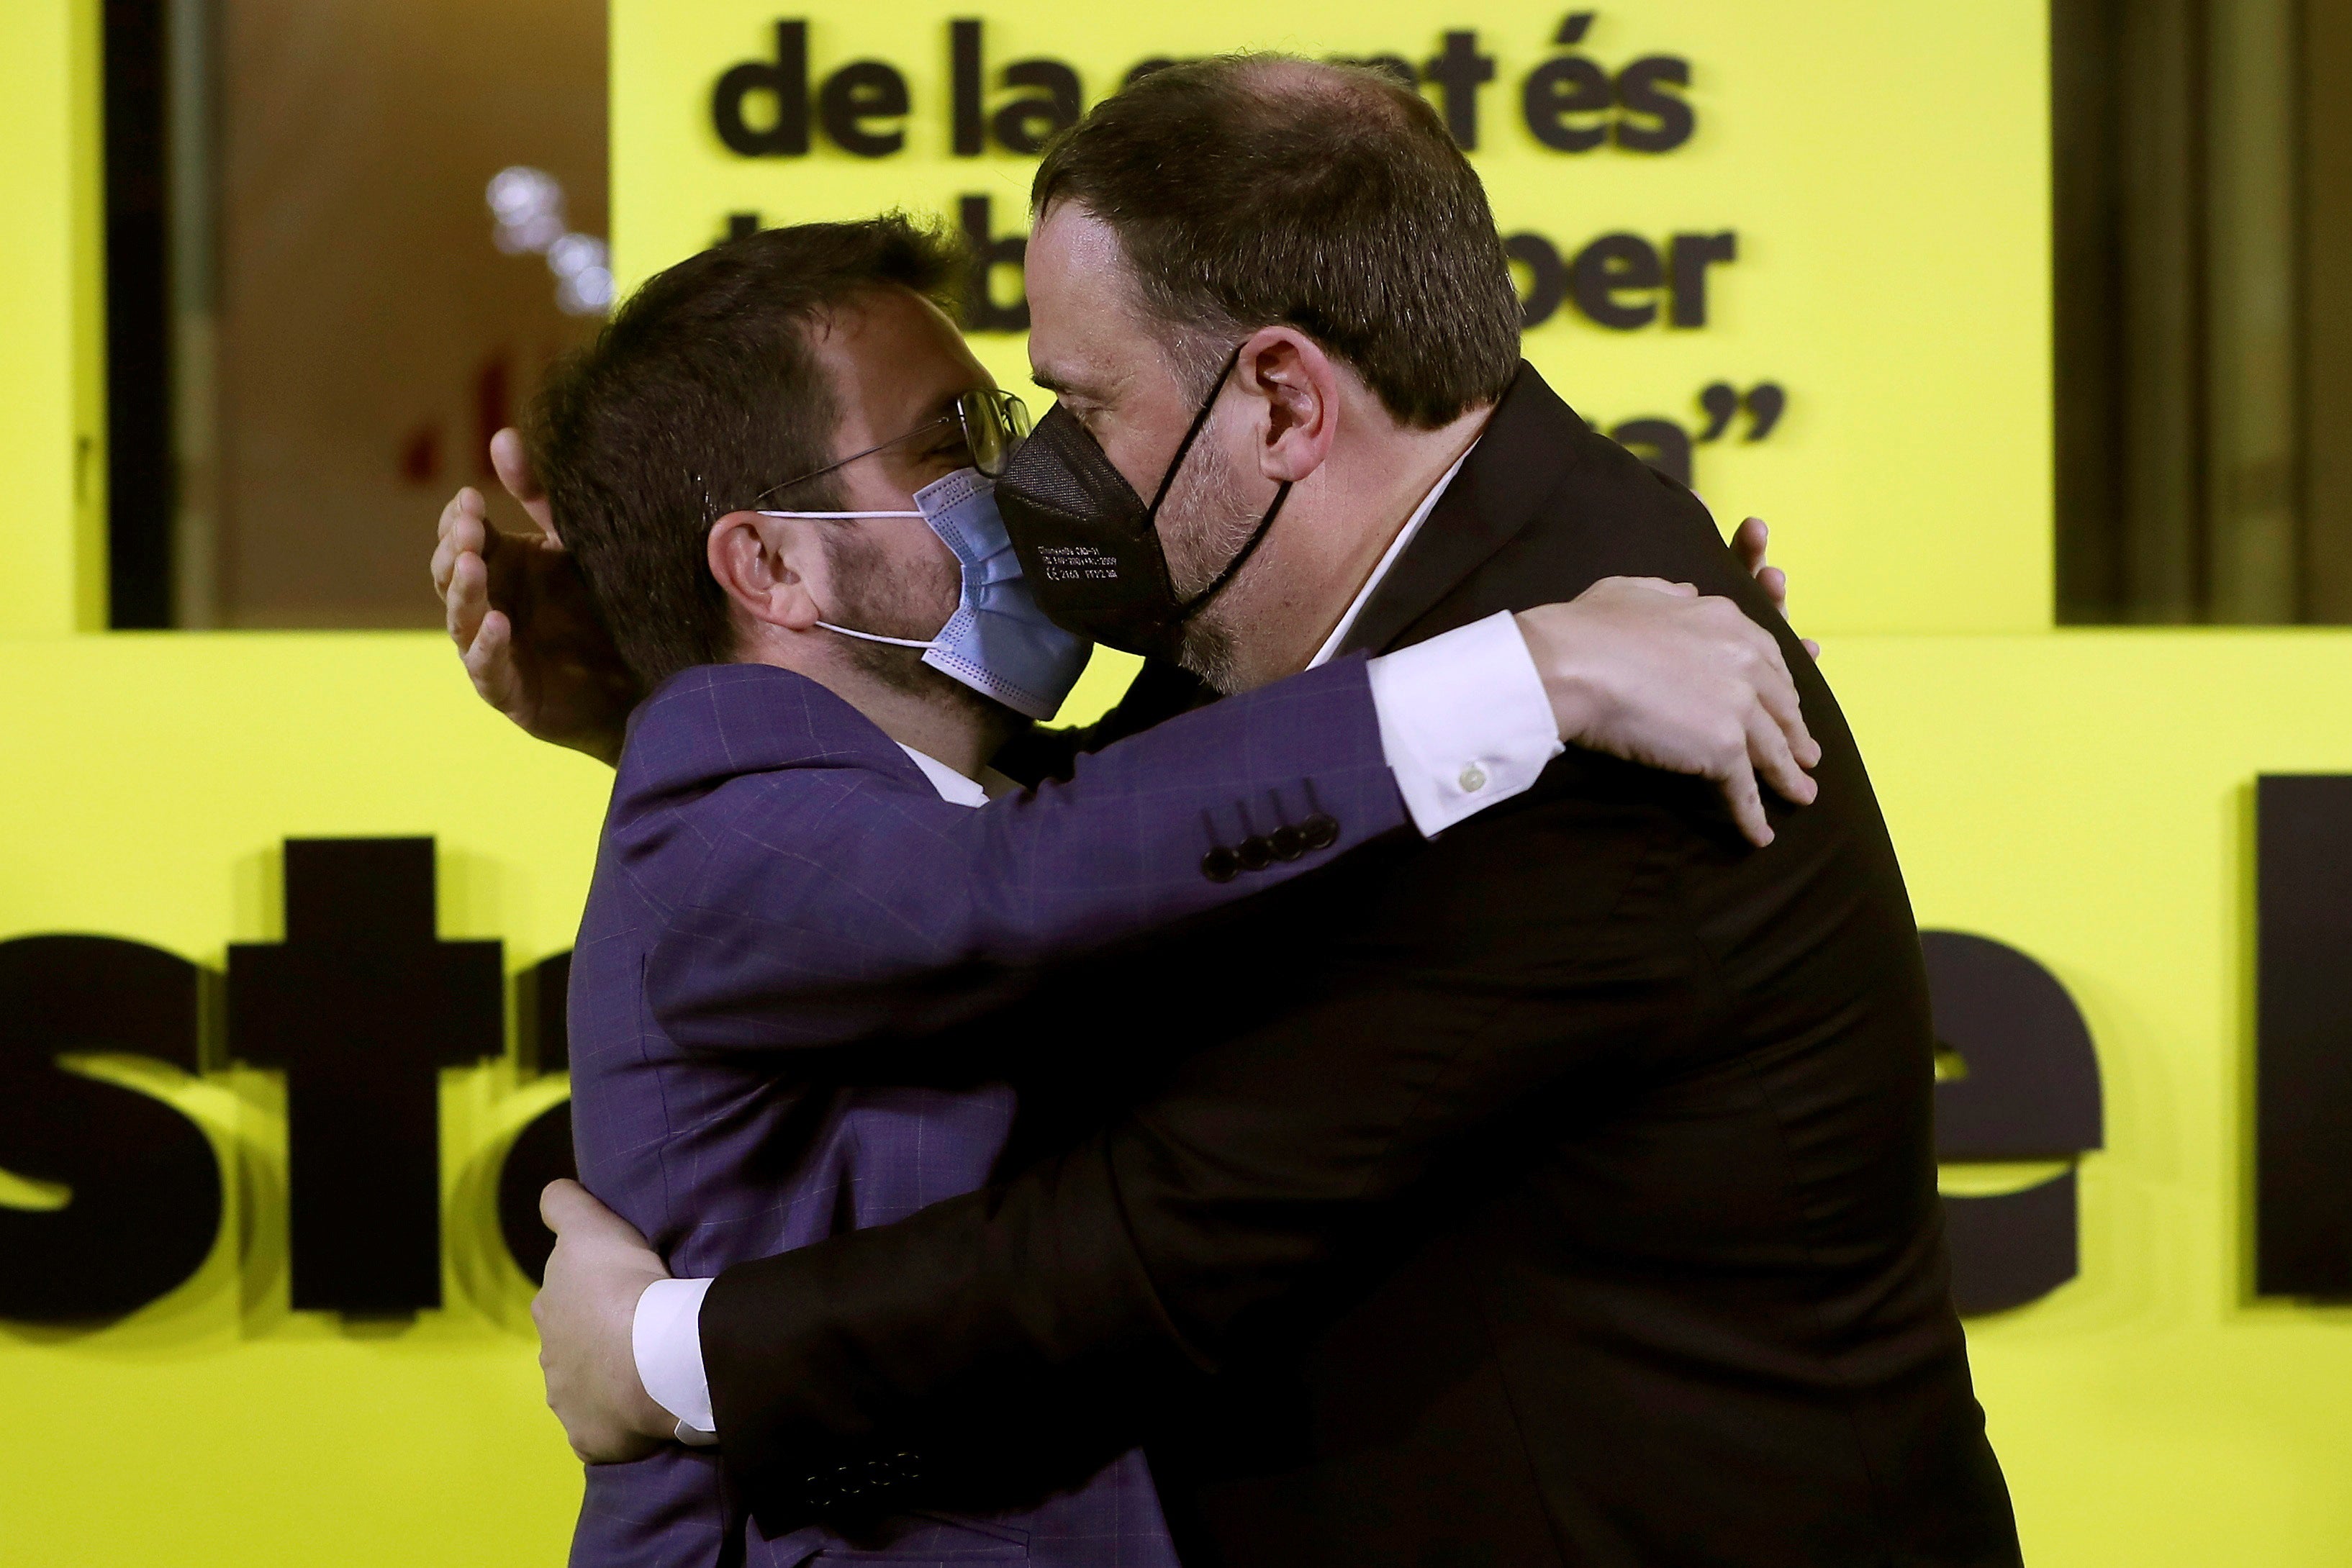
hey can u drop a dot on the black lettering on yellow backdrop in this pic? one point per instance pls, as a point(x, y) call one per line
point(990, 253)
point(1459, 72)
point(2017, 1081)
point(783, 81)
point(2303, 1037)
point(140, 1190)
point(1570, 103)
point(1024, 125)
point(1615, 281)
point(859, 93)
point(361, 1007)
point(760, 108)
point(541, 1152)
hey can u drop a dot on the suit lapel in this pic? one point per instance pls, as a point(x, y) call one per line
point(1518, 460)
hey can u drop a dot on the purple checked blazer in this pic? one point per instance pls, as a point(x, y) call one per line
point(760, 825)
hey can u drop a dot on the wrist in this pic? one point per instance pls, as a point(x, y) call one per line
point(646, 1416)
point(1569, 680)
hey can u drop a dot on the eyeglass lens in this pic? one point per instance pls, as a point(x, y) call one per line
point(994, 423)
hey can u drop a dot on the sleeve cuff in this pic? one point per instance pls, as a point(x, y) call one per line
point(665, 1336)
point(1463, 719)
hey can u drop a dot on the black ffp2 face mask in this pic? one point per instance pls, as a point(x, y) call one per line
point(1089, 547)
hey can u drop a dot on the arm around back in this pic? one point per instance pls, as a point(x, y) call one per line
point(828, 894)
point(1175, 1238)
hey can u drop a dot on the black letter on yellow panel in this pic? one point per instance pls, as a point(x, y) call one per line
point(857, 92)
point(1640, 89)
point(785, 80)
point(1693, 255)
point(542, 1150)
point(2022, 1085)
point(541, 1153)
point(361, 1007)
point(982, 313)
point(1562, 88)
point(965, 75)
point(1459, 72)
point(2303, 1037)
point(2007, 1249)
point(1026, 124)
point(1613, 265)
point(142, 1192)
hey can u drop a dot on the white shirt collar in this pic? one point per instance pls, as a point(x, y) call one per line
point(1396, 547)
point(952, 786)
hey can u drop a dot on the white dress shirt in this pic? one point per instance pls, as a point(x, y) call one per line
point(1465, 723)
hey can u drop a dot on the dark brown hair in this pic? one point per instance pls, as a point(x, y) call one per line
point(701, 392)
point(1255, 190)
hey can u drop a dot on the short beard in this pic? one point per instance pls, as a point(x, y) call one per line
point(1212, 524)
point(873, 599)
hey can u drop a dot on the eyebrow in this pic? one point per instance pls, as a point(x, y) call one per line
point(1061, 386)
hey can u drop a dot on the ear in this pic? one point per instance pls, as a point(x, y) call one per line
point(1298, 386)
point(772, 569)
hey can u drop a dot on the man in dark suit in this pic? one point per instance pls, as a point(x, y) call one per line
point(1559, 1189)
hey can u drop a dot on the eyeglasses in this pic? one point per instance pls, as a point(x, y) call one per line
point(994, 423)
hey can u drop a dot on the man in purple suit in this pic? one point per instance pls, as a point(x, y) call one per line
point(770, 468)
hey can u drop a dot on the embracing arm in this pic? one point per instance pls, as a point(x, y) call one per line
point(828, 906)
point(828, 914)
point(1161, 1243)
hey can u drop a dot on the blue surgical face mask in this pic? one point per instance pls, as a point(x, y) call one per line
point(998, 641)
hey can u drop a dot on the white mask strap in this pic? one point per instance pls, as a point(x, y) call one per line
point(877, 637)
point(863, 636)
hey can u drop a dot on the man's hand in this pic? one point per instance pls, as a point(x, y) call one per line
point(522, 620)
point(586, 1313)
point(1748, 543)
point(1651, 671)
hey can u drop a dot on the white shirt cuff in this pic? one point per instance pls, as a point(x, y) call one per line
point(1464, 722)
point(665, 1336)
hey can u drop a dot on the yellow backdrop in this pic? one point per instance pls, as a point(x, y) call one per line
point(2084, 796)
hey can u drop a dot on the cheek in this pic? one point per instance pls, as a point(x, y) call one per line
point(932, 575)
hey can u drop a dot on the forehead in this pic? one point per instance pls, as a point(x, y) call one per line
point(1085, 332)
point(886, 346)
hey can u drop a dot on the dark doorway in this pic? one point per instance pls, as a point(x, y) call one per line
point(316, 315)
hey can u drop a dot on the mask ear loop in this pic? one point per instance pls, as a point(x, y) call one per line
point(877, 637)
point(847, 632)
point(1185, 448)
point(1199, 600)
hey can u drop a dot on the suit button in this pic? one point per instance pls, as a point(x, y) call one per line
point(1255, 852)
point(1322, 830)
point(1288, 844)
point(1220, 864)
